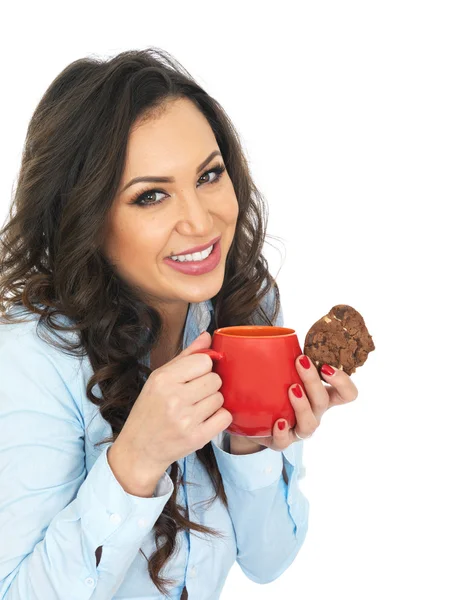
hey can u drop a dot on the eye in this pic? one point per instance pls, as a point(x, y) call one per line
point(217, 172)
point(141, 196)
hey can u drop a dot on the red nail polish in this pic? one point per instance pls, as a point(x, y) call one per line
point(281, 425)
point(297, 390)
point(304, 361)
point(327, 370)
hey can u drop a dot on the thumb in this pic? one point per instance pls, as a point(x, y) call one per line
point(202, 341)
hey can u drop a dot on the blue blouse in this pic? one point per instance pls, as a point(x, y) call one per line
point(60, 501)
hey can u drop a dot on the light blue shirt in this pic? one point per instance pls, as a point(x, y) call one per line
point(60, 501)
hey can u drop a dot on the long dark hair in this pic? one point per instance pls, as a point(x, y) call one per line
point(51, 263)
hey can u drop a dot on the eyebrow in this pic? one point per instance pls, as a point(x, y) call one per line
point(201, 166)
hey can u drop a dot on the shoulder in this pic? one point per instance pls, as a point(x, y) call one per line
point(268, 304)
point(35, 372)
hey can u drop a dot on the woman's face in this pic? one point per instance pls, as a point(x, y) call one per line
point(193, 209)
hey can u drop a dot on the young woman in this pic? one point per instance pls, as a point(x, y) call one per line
point(116, 477)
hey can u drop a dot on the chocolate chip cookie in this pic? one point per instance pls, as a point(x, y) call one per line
point(339, 339)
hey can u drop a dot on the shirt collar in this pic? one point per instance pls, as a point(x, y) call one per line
point(197, 321)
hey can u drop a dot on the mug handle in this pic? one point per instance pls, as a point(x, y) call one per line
point(214, 354)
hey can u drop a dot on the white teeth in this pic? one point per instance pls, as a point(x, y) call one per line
point(196, 256)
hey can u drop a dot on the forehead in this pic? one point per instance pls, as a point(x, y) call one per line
point(168, 141)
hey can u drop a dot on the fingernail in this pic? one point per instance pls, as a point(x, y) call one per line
point(304, 361)
point(327, 370)
point(297, 390)
point(281, 425)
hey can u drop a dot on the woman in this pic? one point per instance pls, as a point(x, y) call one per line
point(113, 459)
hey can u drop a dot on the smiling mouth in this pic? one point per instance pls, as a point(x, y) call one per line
point(213, 245)
point(184, 259)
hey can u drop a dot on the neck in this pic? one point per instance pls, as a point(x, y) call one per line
point(170, 343)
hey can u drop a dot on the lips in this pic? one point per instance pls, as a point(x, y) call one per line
point(196, 248)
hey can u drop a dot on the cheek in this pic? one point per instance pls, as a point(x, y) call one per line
point(132, 239)
point(230, 209)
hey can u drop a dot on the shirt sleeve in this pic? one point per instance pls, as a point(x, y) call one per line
point(54, 515)
point(270, 516)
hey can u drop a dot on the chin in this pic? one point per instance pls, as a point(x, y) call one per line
point(201, 292)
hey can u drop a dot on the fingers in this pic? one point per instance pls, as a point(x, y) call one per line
point(306, 420)
point(311, 399)
point(306, 423)
point(315, 391)
point(343, 389)
point(282, 438)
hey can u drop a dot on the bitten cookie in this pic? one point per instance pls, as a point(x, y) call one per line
point(339, 339)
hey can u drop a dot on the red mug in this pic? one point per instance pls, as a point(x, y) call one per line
point(257, 366)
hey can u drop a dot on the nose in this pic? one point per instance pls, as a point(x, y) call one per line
point(195, 217)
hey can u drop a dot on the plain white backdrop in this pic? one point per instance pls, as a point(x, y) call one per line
point(343, 110)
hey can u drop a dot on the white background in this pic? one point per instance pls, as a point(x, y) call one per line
point(344, 112)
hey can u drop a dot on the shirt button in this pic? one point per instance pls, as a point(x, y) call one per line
point(143, 523)
point(89, 581)
point(268, 470)
point(115, 518)
point(193, 572)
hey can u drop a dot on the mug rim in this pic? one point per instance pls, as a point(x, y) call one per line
point(223, 331)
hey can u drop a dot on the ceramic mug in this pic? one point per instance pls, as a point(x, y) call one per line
point(257, 366)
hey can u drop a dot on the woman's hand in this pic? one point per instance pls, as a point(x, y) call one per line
point(310, 407)
point(177, 412)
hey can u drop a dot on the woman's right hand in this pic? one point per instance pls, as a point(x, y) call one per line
point(178, 411)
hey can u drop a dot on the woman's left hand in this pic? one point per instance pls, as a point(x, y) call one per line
point(310, 407)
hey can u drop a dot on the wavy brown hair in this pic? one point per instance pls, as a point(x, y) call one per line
point(50, 258)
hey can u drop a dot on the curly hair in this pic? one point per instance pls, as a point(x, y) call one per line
point(51, 261)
